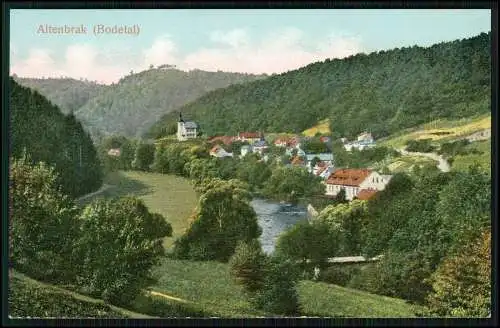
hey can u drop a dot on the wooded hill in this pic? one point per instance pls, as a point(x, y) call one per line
point(383, 92)
point(40, 130)
point(132, 105)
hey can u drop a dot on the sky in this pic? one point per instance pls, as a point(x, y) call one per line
point(250, 41)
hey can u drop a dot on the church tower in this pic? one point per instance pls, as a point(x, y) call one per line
point(181, 133)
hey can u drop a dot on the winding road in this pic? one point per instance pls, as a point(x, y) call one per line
point(442, 165)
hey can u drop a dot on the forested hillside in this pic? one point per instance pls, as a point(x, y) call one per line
point(66, 93)
point(384, 92)
point(132, 105)
point(44, 133)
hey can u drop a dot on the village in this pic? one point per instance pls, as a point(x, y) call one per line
point(358, 183)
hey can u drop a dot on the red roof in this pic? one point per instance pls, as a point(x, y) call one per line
point(227, 140)
point(214, 149)
point(348, 177)
point(249, 135)
point(365, 194)
point(297, 160)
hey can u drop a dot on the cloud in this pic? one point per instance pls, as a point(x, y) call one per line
point(163, 51)
point(234, 51)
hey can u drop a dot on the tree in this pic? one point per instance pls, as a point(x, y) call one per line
point(278, 294)
point(144, 156)
point(304, 241)
point(247, 265)
point(315, 146)
point(292, 183)
point(222, 218)
point(462, 283)
point(120, 242)
point(42, 225)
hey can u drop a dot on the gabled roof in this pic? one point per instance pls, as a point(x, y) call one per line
point(322, 157)
point(260, 143)
point(297, 161)
point(190, 124)
point(250, 135)
point(348, 177)
point(365, 194)
point(324, 139)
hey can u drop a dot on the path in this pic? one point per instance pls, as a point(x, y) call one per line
point(102, 189)
point(443, 164)
point(169, 297)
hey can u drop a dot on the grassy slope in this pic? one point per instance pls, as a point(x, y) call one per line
point(169, 195)
point(462, 162)
point(322, 127)
point(34, 298)
point(454, 129)
point(209, 284)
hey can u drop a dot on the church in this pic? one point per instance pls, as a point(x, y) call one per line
point(186, 129)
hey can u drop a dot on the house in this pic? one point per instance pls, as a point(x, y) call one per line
point(260, 146)
point(297, 161)
point(323, 170)
point(282, 141)
point(245, 149)
point(300, 152)
point(114, 152)
point(324, 157)
point(355, 180)
point(219, 152)
point(324, 139)
point(366, 137)
point(365, 194)
point(359, 145)
point(186, 129)
point(250, 137)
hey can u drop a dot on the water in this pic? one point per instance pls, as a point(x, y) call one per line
point(274, 218)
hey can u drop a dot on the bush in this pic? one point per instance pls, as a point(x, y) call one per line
point(421, 146)
point(339, 275)
point(279, 294)
point(120, 242)
point(247, 265)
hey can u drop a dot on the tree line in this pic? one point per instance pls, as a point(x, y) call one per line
point(39, 129)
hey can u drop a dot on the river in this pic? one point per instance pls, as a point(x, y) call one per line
point(274, 218)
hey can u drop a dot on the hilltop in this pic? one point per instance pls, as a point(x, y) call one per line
point(132, 105)
point(384, 92)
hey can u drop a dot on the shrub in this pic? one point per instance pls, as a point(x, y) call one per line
point(278, 294)
point(247, 265)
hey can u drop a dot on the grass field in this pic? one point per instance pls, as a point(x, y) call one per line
point(169, 195)
point(405, 163)
point(439, 131)
point(322, 127)
point(462, 162)
point(209, 284)
point(29, 297)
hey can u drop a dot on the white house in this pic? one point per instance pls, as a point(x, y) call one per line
point(324, 157)
point(260, 146)
point(114, 152)
point(359, 145)
point(366, 137)
point(186, 129)
point(219, 152)
point(355, 180)
point(245, 149)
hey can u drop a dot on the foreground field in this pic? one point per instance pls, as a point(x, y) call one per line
point(209, 285)
point(169, 195)
point(31, 298)
point(439, 131)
